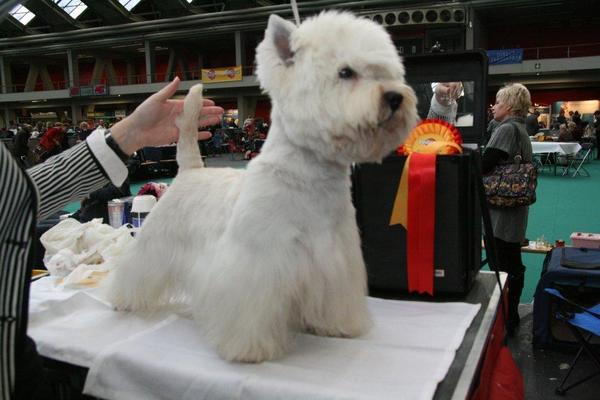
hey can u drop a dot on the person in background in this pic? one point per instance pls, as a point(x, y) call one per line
point(510, 224)
point(218, 138)
point(563, 134)
point(101, 125)
point(46, 188)
point(561, 119)
point(575, 131)
point(444, 104)
point(50, 142)
point(37, 130)
point(576, 118)
point(69, 132)
point(84, 130)
point(531, 123)
point(13, 127)
point(21, 150)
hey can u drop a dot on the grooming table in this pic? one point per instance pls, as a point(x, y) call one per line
point(411, 352)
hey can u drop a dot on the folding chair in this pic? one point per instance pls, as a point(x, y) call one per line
point(577, 160)
point(582, 320)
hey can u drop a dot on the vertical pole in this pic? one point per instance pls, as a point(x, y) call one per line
point(239, 50)
point(73, 68)
point(150, 62)
point(241, 106)
point(3, 88)
point(6, 118)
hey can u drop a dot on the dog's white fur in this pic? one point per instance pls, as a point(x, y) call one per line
point(275, 249)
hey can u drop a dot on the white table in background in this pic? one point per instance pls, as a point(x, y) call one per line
point(555, 147)
point(566, 148)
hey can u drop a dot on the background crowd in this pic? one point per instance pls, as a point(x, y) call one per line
point(32, 144)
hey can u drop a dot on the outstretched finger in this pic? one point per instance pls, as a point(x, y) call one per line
point(212, 110)
point(203, 135)
point(165, 93)
point(208, 120)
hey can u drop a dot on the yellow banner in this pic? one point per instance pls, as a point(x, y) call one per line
point(226, 74)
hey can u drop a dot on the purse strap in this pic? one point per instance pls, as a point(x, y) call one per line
point(518, 133)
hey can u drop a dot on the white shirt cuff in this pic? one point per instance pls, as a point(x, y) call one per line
point(110, 162)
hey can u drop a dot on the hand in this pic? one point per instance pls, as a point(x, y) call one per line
point(447, 92)
point(153, 122)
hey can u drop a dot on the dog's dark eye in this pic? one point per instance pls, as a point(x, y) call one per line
point(347, 73)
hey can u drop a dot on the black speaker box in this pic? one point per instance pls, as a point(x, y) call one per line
point(457, 241)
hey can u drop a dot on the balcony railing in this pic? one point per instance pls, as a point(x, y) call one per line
point(194, 75)
point(564, 51)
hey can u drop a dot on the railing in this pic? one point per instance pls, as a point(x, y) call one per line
point(194, 75)
point(20, 87)
point(564, 51)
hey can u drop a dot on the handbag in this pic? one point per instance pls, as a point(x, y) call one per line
point(511, 185)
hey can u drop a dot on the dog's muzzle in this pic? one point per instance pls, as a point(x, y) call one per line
point(393, 99)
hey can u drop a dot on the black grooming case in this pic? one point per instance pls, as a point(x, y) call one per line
point(457, 242)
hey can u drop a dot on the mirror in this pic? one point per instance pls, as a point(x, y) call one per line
point(448, 101)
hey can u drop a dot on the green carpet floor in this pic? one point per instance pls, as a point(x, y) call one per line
point(564, 205)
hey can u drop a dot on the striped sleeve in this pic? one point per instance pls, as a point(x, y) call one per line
point(66, 177)
point(17, 224)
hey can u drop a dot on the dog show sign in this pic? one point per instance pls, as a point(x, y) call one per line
point(227, 74)
point(88, 90)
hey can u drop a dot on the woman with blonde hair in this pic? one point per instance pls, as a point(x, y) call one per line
point(510, 141)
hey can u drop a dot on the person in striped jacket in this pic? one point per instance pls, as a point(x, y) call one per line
point(29, 195)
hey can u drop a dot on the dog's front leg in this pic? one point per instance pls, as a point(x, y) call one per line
point(242, 303)
point(335, 303)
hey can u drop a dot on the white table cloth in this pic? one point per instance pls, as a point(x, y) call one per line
point(555, 147)
point(405, 355)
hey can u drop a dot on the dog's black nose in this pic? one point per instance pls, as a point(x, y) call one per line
point(394, 99)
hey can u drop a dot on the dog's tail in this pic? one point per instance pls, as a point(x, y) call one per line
point(188, 151)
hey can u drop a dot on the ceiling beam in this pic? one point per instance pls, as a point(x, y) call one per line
point(111, 12)
point(172, 8)
point(46, 60)
point(55, 17)
point(113, 54)
point(12, 27)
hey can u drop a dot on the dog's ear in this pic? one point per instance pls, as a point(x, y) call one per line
point(279, 32)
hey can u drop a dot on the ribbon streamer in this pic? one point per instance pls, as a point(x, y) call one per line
point(414, 205)
point(421, 222)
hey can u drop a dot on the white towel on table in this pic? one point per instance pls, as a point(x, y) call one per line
point(406, 354)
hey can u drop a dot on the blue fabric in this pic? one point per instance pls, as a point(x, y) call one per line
point(586, 322)
point(554, 273)
point(582, 319)
point(505, 56)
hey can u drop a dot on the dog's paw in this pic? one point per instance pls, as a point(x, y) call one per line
point(251, 350)
point(351, 329)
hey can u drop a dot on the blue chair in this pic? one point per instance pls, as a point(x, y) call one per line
point(584, 323)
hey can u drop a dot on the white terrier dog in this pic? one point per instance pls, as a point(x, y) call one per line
point(274, 249)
